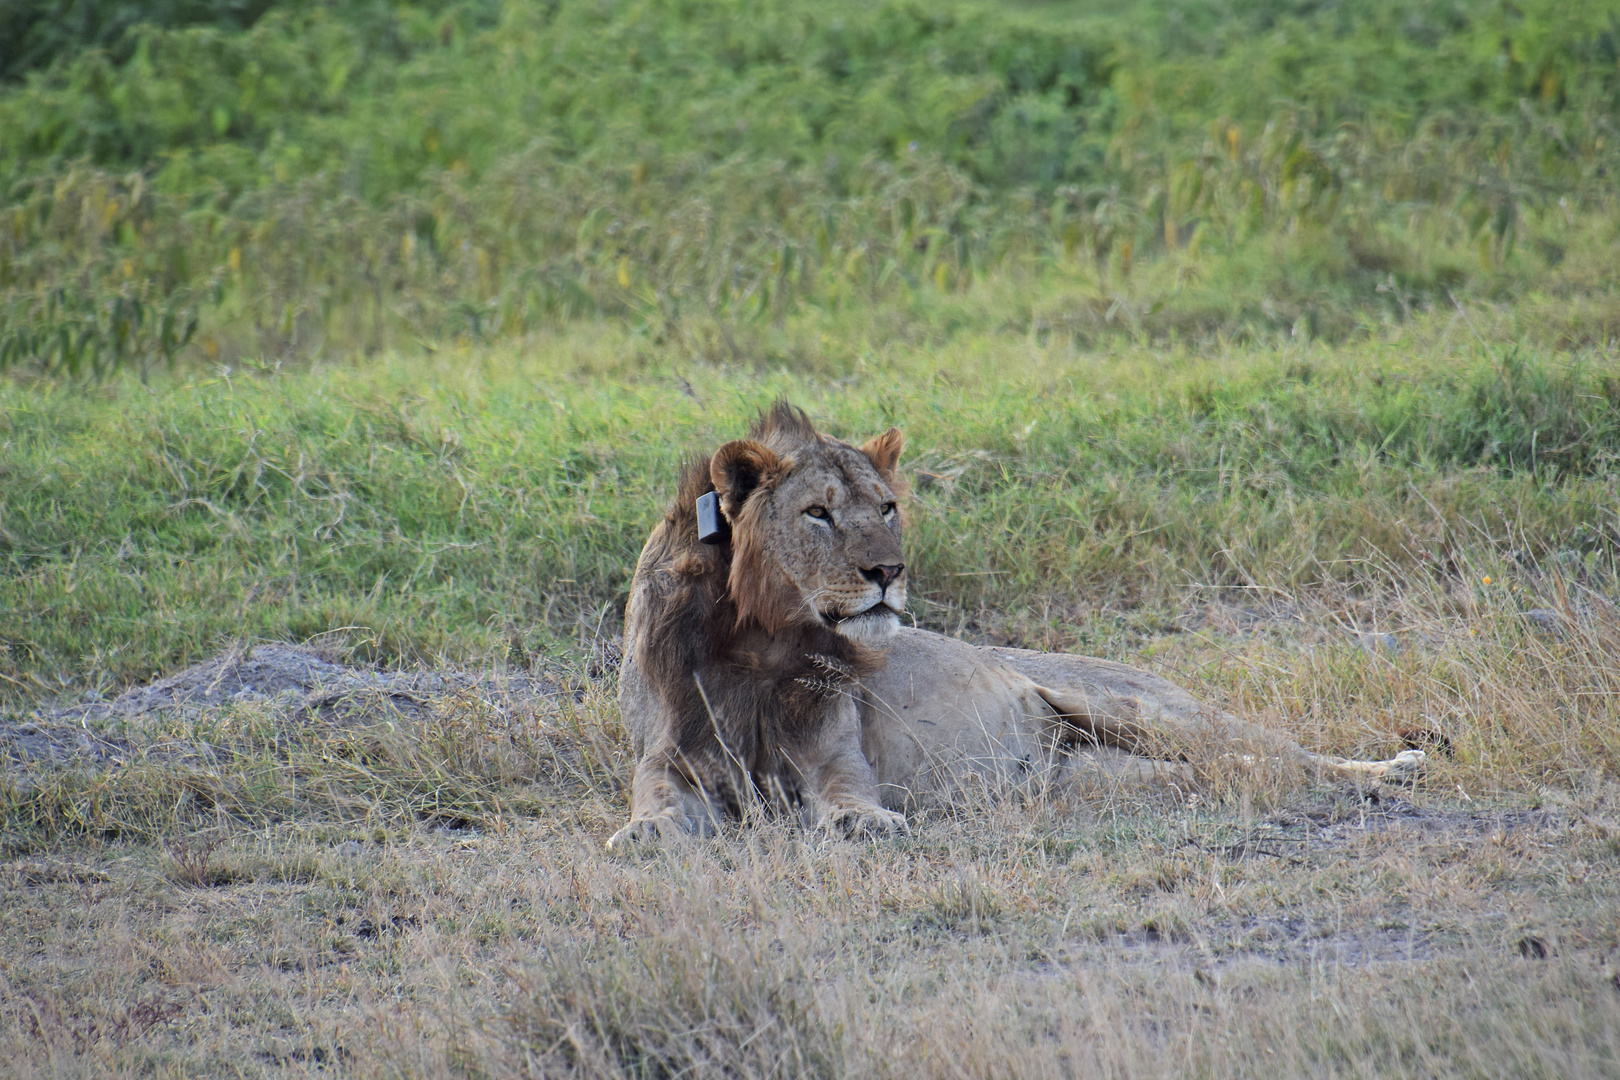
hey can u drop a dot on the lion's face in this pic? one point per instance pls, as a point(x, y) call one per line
point(816, 529)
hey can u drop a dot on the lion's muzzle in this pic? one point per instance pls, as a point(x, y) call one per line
point(876, 623)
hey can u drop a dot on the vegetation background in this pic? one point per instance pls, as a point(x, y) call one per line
point(1268, 343)
point(220, 178)
point(1164, 292)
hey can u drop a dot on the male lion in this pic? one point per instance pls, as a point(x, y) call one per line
point(772, 663)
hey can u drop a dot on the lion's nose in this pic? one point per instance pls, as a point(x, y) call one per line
point(881, 576)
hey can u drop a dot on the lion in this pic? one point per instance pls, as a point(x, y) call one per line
point(767, 664)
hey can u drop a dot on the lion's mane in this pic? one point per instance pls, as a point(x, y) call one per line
point(721, 637)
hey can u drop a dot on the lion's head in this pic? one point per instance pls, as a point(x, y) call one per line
point(815, 527)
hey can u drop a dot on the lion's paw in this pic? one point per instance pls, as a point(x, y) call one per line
point(647, 830)
point(857, 821)
point(1404, 765)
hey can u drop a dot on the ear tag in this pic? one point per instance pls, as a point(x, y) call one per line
point(713, 528)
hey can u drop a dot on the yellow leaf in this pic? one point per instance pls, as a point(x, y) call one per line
point(624, 273)
point(234, 259)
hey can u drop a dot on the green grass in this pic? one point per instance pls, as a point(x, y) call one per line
point(369, 176)
point(445, 506)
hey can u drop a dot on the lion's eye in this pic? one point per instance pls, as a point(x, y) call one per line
point(888, 509)
point(819, 513)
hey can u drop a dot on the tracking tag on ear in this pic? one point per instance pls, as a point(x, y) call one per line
point(713, 528)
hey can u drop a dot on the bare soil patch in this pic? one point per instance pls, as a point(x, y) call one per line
point(286, 681)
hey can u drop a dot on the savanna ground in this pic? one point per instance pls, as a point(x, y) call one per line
point(376, 883)
point(1271, 347)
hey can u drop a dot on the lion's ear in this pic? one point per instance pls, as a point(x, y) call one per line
point(884, 452)
point(739, 467)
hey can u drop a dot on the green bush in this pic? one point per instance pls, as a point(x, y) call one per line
point(35, 33)
point(371, 175)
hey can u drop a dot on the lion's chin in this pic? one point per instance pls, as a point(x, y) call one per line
point(877, 623)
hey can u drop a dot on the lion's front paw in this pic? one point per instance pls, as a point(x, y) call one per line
point(647, 830)
point(856, 821)
point(1404, 765)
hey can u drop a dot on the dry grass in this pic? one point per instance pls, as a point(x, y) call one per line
point(1407, 536)
point(1466, 927)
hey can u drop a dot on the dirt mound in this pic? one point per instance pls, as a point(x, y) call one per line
point(296, 681)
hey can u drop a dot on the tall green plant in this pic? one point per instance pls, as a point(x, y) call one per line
point(367, 175)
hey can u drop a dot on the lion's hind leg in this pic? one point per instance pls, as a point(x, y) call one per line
point(1114, 705)
point(1108, 767)
point(1403, 767)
